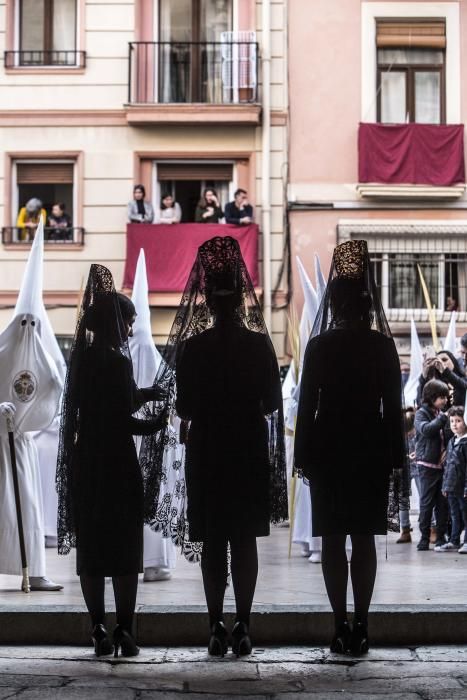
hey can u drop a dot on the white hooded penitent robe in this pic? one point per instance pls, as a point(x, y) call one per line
point(28, 379)
point(157, 551)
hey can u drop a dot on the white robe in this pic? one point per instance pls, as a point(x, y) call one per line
point(160, 551)
point(31, 506)
point(157, 551)
point(28, 379)
point(47, 449)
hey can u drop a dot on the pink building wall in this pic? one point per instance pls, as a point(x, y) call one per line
point(325, 110)
point(324, 59)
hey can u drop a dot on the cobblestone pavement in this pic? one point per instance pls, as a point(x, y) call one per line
point(72, 673)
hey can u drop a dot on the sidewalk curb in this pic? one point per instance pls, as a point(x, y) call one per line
point(408, 625)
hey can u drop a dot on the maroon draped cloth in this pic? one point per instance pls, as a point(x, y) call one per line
point(170, 251)
point(411, 154)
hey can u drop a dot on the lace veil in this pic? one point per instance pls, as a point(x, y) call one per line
point(100, 323)
point(218, 257)
point(351, 293)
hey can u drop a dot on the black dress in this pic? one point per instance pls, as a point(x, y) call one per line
point(349, 432)
point(227, 381)
point(107, 486)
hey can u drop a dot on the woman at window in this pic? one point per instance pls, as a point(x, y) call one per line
point(99, 480)
point(209, 211)
point(139, 210)
point(29, 217)
point(170, 211)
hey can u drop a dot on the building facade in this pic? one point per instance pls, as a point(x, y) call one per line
point(356, 68)
point(97, 96)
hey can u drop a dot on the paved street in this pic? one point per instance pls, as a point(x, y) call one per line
point(71, 673)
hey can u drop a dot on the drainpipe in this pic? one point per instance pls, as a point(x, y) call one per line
point(266, 161)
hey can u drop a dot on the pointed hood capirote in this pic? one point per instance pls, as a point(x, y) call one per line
point(146, 358)
point(30, 299)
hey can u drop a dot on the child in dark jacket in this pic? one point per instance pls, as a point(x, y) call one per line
point(430, 425)
point(455, 481)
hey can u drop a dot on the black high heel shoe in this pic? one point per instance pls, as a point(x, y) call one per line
point(124, 641)
point(341, 641)
point(359, 643)
point(241, 642)
point(218, 643)
point(101, 641)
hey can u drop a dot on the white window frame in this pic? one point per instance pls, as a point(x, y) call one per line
point(371, 11)
point(428, 236)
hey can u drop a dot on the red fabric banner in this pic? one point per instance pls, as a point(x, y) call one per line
point(411, 154)
point(171, 249)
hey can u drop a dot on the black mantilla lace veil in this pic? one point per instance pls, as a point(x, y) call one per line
point(100, 316)
point(351, 261)
point(219, 256)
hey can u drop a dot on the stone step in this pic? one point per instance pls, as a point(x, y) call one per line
point(408, 625)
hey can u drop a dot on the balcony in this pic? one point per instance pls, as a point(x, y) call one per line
point(171, 249)
point(411, 161)
point(44, 59)
point(65, 238)
point(195, 82)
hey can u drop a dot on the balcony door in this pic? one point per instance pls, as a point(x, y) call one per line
point(190, 50)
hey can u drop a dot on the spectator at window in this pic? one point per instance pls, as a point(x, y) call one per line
point(451, 304)
point(239, 212)
point(139, 210)
point(59, 224)
point(209, 211)
point(29, 217)
point(170, 211)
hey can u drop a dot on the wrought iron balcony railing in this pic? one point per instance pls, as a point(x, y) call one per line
point(46, 59)
point(12, 235)
point(222, 72)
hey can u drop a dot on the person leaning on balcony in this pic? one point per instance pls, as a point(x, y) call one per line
point(170, 211)
point(239, 212)
point(209, 211)
point(29, 217)
point(139, 210)
point(59, 223)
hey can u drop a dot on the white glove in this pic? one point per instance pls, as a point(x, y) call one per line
point(8, 410)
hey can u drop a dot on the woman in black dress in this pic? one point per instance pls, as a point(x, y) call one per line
point(228, 387)
point(349, 434)
point(100, 483)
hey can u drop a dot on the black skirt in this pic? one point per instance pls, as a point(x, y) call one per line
point(353, 503)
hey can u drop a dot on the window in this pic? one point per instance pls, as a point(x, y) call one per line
point(51, 182)
point(47, 33)
point(411, 72)
point(185, 181)
point(398, 279)
point(190, 61)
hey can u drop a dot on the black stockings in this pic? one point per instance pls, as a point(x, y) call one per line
point(125, 587)
point(362, 573)
point(244, 565)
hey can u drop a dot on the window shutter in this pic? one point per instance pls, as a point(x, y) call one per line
point(194, 171)
point(405, 34)
point(44, 173)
